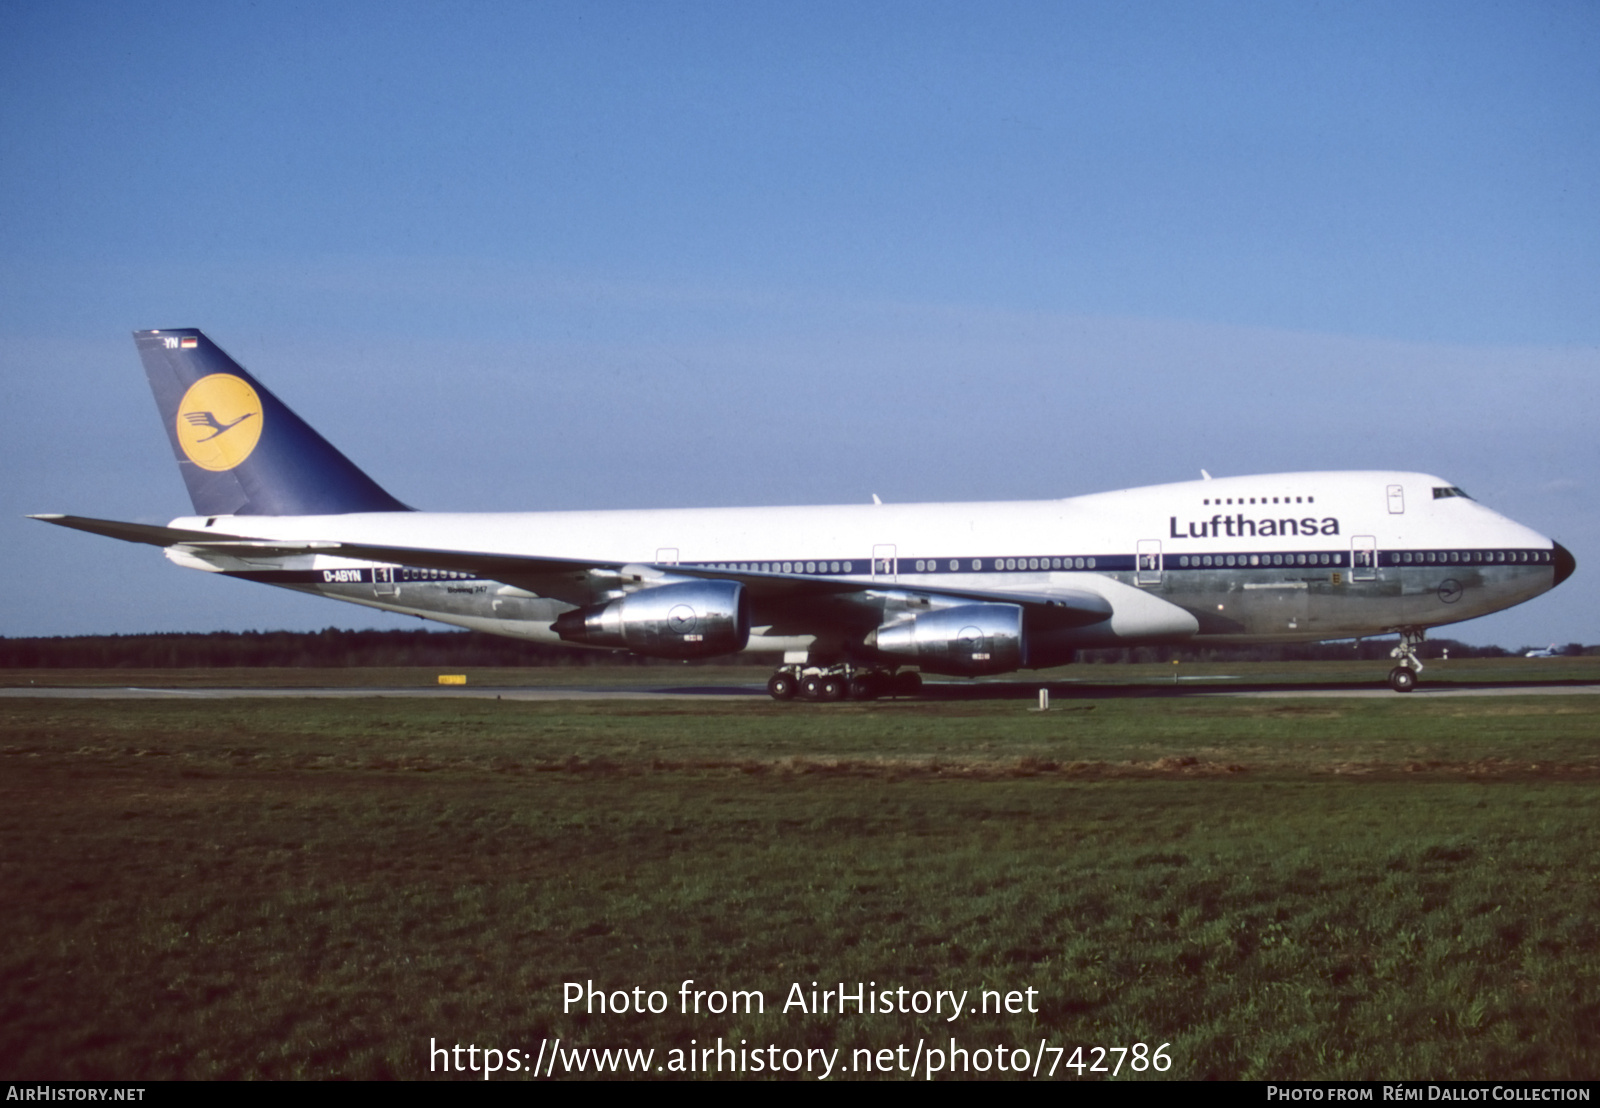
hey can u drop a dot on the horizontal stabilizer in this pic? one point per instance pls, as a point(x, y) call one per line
point(127, 532)
point(194, 540)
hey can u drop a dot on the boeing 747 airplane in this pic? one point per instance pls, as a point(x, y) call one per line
point(860, 599)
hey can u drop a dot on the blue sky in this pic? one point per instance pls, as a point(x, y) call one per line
point(522, 256)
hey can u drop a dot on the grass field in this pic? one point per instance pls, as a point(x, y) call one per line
point(1391, 887)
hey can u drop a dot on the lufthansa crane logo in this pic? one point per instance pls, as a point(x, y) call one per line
point(682, 619)
point(219, 421)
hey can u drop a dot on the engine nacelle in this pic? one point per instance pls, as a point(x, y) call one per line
point(693, 619)
point(966, 641)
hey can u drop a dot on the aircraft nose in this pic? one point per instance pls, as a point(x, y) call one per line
point(1565, 562)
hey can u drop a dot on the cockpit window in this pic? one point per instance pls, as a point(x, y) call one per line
point(1444, 494)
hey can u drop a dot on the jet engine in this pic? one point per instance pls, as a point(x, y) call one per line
point(693, 619)
point(965, 641)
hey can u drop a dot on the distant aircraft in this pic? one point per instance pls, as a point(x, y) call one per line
point(1548, 652)
point(859, 598)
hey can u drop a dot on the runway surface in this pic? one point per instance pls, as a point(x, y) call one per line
point(932, 692)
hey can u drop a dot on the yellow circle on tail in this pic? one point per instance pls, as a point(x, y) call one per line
point(219, 421)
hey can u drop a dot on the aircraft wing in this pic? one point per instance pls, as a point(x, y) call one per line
point(779, 599)
point(787, 599)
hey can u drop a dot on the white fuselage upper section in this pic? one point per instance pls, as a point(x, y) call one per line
point(1298, 511)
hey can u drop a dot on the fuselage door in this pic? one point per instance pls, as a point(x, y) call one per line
point(666, 555)
point(383, 583)
point(1397, 500)
point(1363, 558)
point(884, 563)
point(1149, 562)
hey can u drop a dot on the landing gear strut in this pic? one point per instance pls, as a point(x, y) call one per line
point(840, 682)
point(1403, 677)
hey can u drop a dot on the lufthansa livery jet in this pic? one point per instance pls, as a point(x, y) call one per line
point(860, 599)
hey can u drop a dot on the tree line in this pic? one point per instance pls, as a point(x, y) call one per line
point(331, 647)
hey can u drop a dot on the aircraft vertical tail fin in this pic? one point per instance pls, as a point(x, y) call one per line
point(240, 449)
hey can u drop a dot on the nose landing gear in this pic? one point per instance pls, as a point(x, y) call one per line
point(1403, 677)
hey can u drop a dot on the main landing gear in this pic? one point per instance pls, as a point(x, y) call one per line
point(1403, 677)
point(840, 682)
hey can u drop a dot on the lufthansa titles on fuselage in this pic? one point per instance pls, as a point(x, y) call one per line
point(1239, 526)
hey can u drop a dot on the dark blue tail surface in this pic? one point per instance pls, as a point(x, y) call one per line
point(240, 449)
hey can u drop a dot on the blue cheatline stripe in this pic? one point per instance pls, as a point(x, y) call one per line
point(401, 575)
point(1113, 563)
point(909, 567)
